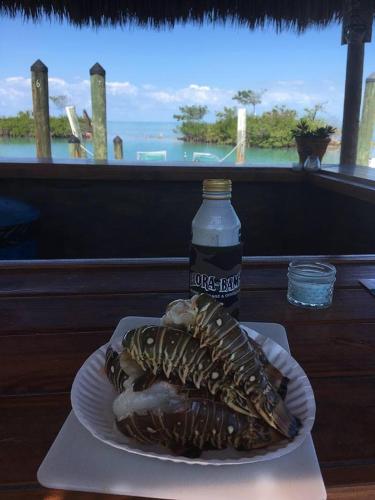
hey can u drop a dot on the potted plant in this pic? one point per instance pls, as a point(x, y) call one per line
point(311, 139)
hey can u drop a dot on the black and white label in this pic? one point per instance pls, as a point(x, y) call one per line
point(213, 284)
point(217, 271)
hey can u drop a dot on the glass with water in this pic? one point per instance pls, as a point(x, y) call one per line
point(310, 284)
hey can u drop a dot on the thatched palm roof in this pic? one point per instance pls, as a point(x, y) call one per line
point(295, 14)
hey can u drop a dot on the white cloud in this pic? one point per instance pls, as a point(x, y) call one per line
point(164, 97)
point(16, 79)
point(293, 93)
point(121, 88)
point(193, 94)
point(299, 94)
point(287, 97)
point(57, 82)
point(127, 101)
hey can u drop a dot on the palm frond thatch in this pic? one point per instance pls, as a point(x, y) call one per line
point(283, 14)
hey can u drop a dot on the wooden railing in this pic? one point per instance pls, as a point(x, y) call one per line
point(103, 209)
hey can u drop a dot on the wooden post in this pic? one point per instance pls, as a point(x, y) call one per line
point(76, 128)
point(356, 31)
point(241, 135)
point(352, 103)
point(99, 113)
point(117, 145)
point(82, 152)
point(39, 88)
point(73, 121)
point(74, 147)
point(366, 128)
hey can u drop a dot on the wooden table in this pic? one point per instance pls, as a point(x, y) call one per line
point(55, 313)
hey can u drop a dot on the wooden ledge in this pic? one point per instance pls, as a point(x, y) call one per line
point(173, 262)
point(142, 171)
point(355, 181)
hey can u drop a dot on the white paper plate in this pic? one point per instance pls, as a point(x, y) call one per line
point(92, 397)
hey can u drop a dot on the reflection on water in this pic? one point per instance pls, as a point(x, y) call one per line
point(156, 136)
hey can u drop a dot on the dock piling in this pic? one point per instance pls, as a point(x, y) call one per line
point(74, 147)
point(39, 88)
point(118, 148)
point(367, 124)
point(241, 135)
point(99, 112)
point(356, 31)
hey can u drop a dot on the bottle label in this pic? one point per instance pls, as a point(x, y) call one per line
point(217, 271)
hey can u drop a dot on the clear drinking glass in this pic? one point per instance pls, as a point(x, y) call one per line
point(312, 163)
point(310, 284)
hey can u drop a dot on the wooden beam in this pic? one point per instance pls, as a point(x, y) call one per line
point(73, 121)
point(39, 86)
point(356, 31)
point(74, 147)
point(367, 125)
point(99, 111)
point(352, 103)
point(118, 149)
point(241, 136)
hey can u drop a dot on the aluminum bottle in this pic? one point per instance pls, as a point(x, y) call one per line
point(216, 250)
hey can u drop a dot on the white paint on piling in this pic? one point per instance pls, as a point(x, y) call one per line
point(241, 135)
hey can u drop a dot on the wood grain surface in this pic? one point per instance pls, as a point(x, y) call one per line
point(55, 314)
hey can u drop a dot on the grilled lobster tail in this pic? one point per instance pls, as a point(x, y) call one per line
point(276, 378)
point(197, 425)
point(198, 382)
point(216, 330)
point(174, 354)
point(115, 373)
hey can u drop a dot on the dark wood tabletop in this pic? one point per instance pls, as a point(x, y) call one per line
point(54, 314)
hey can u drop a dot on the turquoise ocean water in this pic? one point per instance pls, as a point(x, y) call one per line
point(158, 136)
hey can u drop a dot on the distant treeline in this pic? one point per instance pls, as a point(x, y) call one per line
point(272, 129)
point(22, 125)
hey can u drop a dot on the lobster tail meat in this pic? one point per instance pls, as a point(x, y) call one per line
point(187, 421)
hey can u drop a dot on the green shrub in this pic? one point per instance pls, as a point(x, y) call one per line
point(23, 125)
point(272, 129)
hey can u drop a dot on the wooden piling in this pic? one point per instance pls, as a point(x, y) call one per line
point(99, 113)
point(356, 31)
point(73, 121)
point(39, 88)
point(241, 135)
point(118, 149)
point(74, 147)
point(83, 152)
point(367, 125)
point(352, 103)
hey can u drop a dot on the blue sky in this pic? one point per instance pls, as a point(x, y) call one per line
point(151, 73)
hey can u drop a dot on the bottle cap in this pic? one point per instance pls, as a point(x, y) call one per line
point(217, 186)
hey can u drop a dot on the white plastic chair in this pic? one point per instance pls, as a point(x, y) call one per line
point(205, 157)
point(151, 155)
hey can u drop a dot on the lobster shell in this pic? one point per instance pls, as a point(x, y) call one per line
point(206, 319)
point(200, 424)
